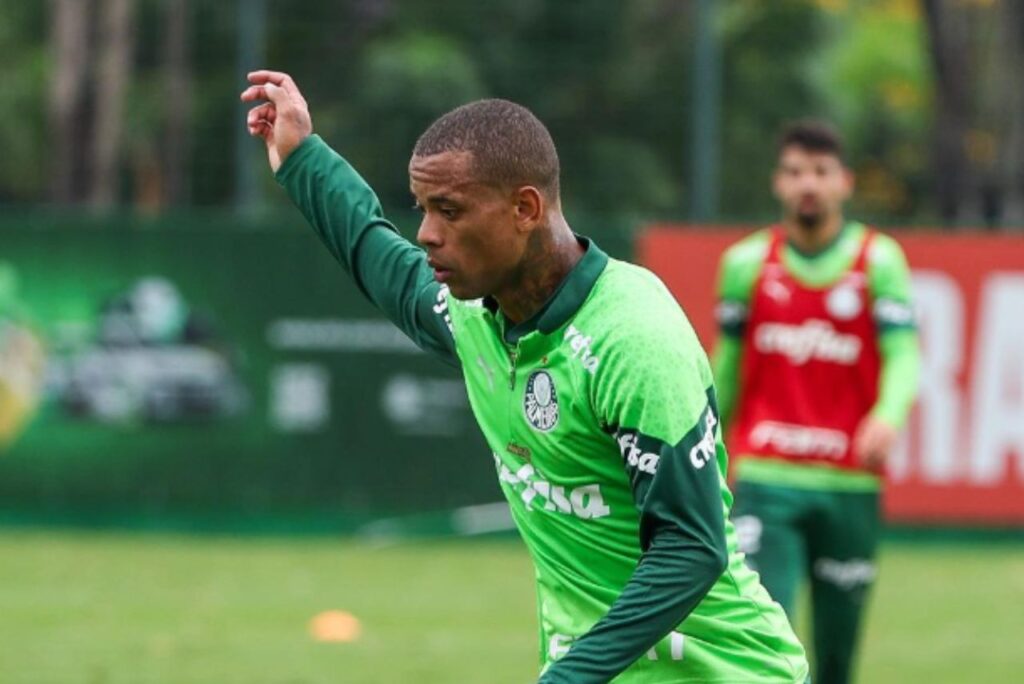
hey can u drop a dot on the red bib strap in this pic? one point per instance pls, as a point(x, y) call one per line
point(861, 264)
point(778, 239)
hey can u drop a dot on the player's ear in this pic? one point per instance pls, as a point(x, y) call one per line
point(850, 182)
point(530, 207)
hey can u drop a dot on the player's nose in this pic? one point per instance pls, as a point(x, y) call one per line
point(429, 233)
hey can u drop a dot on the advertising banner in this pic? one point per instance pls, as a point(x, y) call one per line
point(961, 459)
point(215, 371)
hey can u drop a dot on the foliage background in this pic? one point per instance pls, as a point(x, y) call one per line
point(613, 80)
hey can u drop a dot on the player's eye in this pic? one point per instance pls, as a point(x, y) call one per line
point(450, 213)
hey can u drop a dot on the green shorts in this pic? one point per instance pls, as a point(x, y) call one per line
point(790, 534)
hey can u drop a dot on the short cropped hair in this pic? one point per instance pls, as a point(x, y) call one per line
point(510, 146)
point(811, 135)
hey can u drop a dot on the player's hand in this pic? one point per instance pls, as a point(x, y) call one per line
point(873, 442)
point(283, 121)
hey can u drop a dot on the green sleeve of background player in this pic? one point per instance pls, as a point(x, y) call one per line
point(655, 396)
point(387, 268)
point(889, 280)
point(737, 272)
point(727, 359)
point(901, 367)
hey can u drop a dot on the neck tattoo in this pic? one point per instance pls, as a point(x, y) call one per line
point(545, 266)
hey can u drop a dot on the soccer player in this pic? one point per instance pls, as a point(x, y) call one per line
point(816, 366)
point(586, 379)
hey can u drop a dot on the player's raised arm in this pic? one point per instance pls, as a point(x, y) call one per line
point(344, 211)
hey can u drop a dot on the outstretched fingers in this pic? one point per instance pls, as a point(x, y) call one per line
point(261, 92)
point(253, 93)
point(268, 76)
point(279, 79)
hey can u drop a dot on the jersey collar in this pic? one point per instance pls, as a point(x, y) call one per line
point(567, 298)
point(846, 228)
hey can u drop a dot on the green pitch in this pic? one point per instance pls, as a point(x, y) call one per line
point(139, 609)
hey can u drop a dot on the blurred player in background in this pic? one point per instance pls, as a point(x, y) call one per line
point(817, 367)
point(22, 362)
point(587, 381)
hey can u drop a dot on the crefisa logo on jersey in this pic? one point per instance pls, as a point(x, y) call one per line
point(540, 403)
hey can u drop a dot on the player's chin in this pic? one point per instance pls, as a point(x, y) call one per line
point(460, 289)
point(809, 220)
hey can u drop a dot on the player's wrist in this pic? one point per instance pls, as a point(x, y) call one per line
point(294, 157)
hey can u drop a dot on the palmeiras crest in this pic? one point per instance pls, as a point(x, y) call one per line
point(540, 402)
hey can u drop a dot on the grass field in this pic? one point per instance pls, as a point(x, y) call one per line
point(103, 608)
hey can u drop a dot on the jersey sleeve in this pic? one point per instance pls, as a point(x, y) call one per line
point(889, 281)
point(654, 394)
point(738, 270)
point(389, 270)
point(728, 356)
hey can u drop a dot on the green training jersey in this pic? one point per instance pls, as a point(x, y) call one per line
point(601, 416)
point(889, 286)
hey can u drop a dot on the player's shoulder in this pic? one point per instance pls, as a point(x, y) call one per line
point(741, 263)
point(747, 252)
point(885, 251)
point(632, 296)
point(887, 270)
point(651, 362)
point(635, 315)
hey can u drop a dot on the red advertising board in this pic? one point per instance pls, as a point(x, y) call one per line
point(961, 458)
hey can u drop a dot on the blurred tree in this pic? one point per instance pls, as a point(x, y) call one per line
point(114, 61)
point(69, 104)
point(1010, 57)
point(769, 48)
point(976, 47)
point(608, 79)
point(178, 102)
point(92, 44)
point(879, 92)
point(950, 38)
point(138, 96)
point(24, 88)
point(406, 81)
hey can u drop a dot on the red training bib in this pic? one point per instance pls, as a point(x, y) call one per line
point(810, 365)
